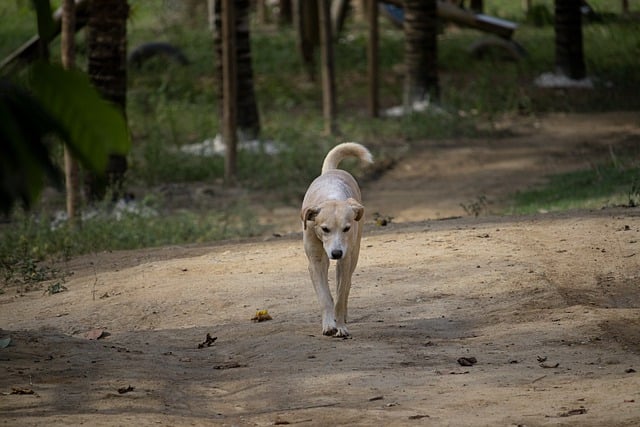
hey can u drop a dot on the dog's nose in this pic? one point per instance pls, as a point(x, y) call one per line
point(336, 254)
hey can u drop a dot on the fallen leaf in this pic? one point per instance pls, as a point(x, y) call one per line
point(20, 390)
point(208, 342)
point(123, 390)
point(572, 412)
point(96, 334)
point(261, 316)
point(230, 365)
point(549, 366)
point(418, 416)
point(467, 361)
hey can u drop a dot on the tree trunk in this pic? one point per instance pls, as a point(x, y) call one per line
point(421, 52)
point(328, 69)
point(285, 15)
point(107, 57)
point(247, 117)
point(568, 27)
point(305, 18)
point(68, 47)
point(229, 96)
point(477, 6)
point(372, 58)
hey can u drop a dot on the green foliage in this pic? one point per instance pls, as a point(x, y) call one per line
point(60, 103)
point(53, 102)
point(94, 129)
point(25, 161)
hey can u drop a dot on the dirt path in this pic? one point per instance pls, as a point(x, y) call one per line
point(547, 305)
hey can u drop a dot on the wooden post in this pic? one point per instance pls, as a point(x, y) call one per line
point(328, 70)
point(229, 101)
point(68, 50)
point(372, 58)
point(625, 7)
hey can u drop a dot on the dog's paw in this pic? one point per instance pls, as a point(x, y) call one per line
point(331, 331)
point(341, 331)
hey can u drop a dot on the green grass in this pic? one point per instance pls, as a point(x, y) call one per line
point(171, 105)
point(594, 188)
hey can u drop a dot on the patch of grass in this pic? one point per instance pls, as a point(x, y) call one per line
point(597, 187)
point(31, 241)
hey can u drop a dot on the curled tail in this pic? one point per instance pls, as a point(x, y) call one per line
point(344, 150)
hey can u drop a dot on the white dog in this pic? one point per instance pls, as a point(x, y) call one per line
point(331, 215)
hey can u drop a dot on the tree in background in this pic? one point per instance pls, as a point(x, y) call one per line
point(568, 27)
point(68, 47)
point(107, 69)
point(248, 119)
point(421, 52)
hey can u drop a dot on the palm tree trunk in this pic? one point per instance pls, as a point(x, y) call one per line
point(421, 51)
point(568, 27)
point(68, 46)
point(107, 56)
point(306, 21)
point(247, 118)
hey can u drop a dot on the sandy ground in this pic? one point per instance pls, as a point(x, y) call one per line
point(548, 307)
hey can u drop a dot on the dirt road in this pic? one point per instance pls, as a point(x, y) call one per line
point(544, 310)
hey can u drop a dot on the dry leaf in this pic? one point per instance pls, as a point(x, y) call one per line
point(261, 316)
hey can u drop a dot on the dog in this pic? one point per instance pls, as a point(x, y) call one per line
point(332, 214)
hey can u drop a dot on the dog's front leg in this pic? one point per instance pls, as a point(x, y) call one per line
point(319, 271)
point(344, 270)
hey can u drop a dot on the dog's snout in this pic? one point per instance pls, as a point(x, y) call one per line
point(336, 254)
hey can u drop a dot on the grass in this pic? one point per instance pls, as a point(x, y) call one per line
point(170, 105)
point(604, 185)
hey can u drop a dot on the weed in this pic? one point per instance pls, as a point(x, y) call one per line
point(475, 207)
point(634, 193)
point(55, 288)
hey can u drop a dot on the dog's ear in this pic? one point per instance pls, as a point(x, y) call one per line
point(309, 214)
point(358, 209)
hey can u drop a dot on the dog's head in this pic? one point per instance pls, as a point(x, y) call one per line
point(334, 224)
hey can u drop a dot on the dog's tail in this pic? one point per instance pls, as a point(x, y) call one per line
point(344, 150)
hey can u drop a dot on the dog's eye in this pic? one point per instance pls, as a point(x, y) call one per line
point(325, 229)
point(346, 229)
